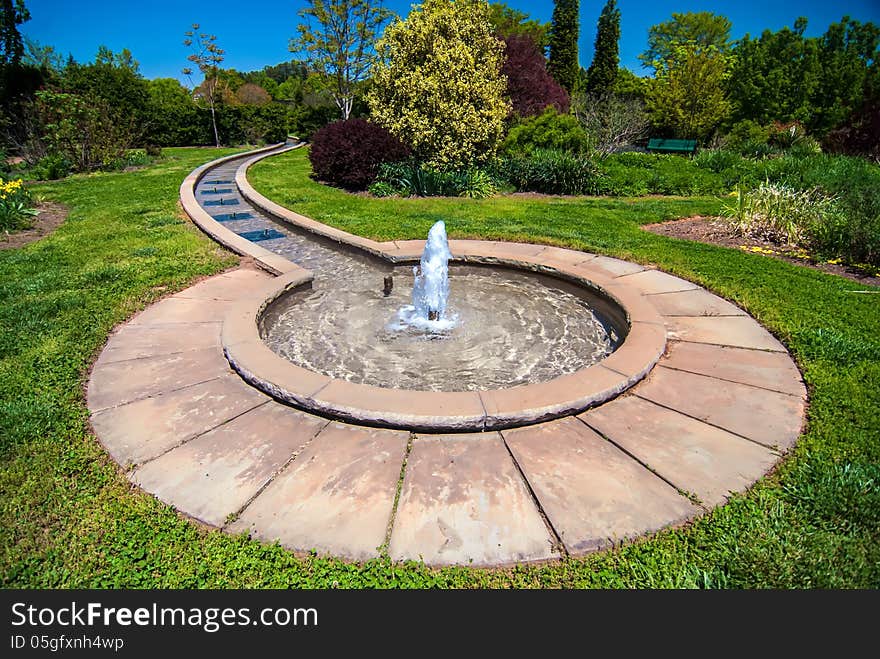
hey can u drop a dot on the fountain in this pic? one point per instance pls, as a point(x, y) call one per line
point(431, 286)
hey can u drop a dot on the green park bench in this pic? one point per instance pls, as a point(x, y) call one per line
point(673, 146)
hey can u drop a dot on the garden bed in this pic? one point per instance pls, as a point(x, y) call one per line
point(714, 231)
point(50, 217)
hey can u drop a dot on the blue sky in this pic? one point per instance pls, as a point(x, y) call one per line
point(255, 33)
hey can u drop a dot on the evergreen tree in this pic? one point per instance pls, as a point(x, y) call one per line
point(564, 65)
point(602, 73)
point(12, 14)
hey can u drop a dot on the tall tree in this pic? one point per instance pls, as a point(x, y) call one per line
point(602, 73)
point(849, 54)
point(775, 77)
point(12, 14)
point(337, 36)
point(438, 86)
point(702, 29)
point(819, 81)
point(509, 22)
point(688, 97)
point(208, 57)
point(564, 65)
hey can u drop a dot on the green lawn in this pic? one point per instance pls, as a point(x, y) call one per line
point(68, 518)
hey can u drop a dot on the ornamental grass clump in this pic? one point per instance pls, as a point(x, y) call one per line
point(783, 214)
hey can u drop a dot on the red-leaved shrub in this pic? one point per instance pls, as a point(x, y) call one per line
point(347, 154)
point(530, 86)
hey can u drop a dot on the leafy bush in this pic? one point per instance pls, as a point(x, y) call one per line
point(414, 179)
point(787, 135)
point(382, 189)
point(717, 160)
point(348, 153)
point(15, 206)
point(549, 130)
point(551, 172)
point(530, 87)
point(858, 135)
point(438, 86)
point(745, 132)
point(50, 168)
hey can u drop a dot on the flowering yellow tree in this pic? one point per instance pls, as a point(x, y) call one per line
point(438, 84)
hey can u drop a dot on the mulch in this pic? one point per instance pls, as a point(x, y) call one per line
point(714, 231)
point(51, 216)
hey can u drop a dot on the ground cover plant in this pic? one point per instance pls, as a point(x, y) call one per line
point(69, 518)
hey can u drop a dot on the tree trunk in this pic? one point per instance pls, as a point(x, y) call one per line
point(214, 123)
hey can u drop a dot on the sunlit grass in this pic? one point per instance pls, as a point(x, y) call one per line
point(68, 518)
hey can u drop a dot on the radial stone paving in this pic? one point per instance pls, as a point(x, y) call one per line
point(720, 407)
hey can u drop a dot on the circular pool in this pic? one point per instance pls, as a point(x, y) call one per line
point(503, 328)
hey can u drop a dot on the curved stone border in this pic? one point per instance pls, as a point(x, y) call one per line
point(431, 411)
point(724, 402)
point(267, 260)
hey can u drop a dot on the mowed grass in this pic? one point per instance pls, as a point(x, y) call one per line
point(68, 518)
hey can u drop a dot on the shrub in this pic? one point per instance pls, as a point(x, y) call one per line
point(745, 132)
point(348, 153)
point(438, 85)
point(786, 135)
point(549, 130)
point(413, 179)
point(612, 121)
point(530, 87)
point(675, 175)
point(15, 206)
point(51, 168)
point(858, 135)
point(717, 160)
point(551, 172)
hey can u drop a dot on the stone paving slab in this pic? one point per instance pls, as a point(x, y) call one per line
point(175, 309)
point(694, 302)
point(464, 502)
point(650, 282)
point(139, 341)
point(609, 267)
point(565, 257)
point(235, 285)
point(693, 456)
point(147, 428)
point(759, 368)
point(734, 331)
point(336, 497)
point(767, 417)
point(593, 493)
point(214, 475)
point(117, 383)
